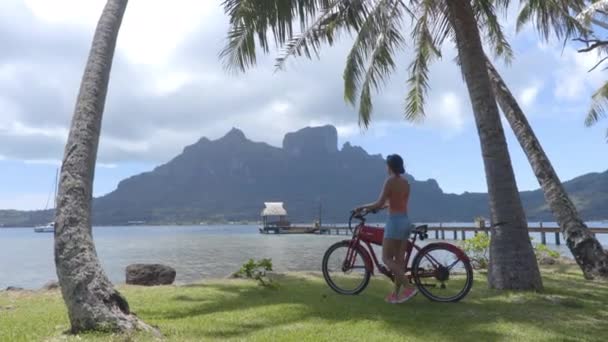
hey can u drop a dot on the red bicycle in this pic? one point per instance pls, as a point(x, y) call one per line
point(441, 271)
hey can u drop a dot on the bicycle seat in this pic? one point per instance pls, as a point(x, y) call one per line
point(421, 229)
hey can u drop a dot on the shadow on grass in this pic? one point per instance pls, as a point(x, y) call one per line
point(566, 309)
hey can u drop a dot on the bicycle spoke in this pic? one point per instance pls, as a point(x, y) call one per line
point(453, 264)
point(432, 260)
point(442, 275)
point(345, 270)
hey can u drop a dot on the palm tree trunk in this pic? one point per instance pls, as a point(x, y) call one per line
point(512, 261)
point(585, 248)
point(92, 301)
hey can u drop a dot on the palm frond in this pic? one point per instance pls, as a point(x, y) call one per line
point(599, 106)
point(239, 53)
point(309, 40)
point(502, 5)
point(549, 17)
point(587, 14)
point(252, 20)
point(438, 19)
point(600, 23)
point(385, 26)
point(425, 50)
point(489, 24)
point(363, 47)
point(381, 65)
point(340, 15)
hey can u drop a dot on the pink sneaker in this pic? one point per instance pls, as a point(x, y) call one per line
point(407, 294)
point(391, 298)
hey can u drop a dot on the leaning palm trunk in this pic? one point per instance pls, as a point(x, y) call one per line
point(512, 261)
point(585, 248)
point(92, 301)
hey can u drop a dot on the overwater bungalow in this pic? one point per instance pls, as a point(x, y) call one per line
point(274, 218)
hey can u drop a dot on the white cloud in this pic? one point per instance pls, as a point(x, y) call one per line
point(57, 162)
point(8, 72)
point(347, 131)
point(151, 29)
point(172, 82)
point(448, 113)
point(9, 112)
point(43, 162)
point(168, 88)
point(573, 80)
point(24, 201)
point(528, 95)
point(71, 12)
point(126, 145)
point(19, 129)
point(280, 107)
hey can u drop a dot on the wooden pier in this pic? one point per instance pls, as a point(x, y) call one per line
point(334, 230)
point(290, 230)
point(438, 232)
point(441, 232)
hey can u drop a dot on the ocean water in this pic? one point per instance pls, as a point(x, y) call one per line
point(196, 252)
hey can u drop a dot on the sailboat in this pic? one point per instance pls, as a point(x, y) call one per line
point(49, 227)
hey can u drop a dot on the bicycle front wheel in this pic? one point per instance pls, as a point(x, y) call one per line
point(442, 273)
point(344, 269)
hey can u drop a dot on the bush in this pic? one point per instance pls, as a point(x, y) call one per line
point(542, 251)
point(477, 248)
point(256, 270)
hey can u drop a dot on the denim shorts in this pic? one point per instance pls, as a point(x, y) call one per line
point(398, 227)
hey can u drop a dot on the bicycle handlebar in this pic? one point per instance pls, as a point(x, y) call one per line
point(360, 215)
point(364, 212)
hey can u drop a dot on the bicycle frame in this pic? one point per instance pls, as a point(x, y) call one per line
point(436, 274)
point(359, 239)
point(366, 236)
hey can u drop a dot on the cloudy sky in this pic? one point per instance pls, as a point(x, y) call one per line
point(168, 89)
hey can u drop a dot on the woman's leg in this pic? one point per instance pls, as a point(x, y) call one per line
point(401, 258)
point(393, 257)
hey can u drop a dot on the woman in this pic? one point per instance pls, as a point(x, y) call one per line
point(395, 195)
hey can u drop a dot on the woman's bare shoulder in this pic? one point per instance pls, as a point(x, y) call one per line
point(391, 180)
point(394, 181)
point(403, 182)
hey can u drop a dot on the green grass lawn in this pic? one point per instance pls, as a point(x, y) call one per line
point(303, 308)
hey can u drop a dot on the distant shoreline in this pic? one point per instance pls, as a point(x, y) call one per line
point(591, 223)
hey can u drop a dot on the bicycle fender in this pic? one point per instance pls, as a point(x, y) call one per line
point(450, 247)
point(367, 258)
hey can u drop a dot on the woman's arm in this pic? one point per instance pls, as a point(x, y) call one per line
point(382, 201)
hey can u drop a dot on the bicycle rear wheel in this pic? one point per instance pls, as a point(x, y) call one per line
point(442, 273)
point(347, 276)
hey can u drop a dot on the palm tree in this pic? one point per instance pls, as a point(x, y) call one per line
point(553, 16)
point(598, 107)
point(596, 13)
point(574, 18)
point(586, 249)
point(378, 27)
point(508, 244)
point(92, 301)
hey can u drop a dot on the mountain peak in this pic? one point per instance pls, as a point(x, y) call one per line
point(322, 139)
point(234, 134)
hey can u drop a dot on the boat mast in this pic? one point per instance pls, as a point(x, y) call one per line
point(320, 213)
point(56, 188)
